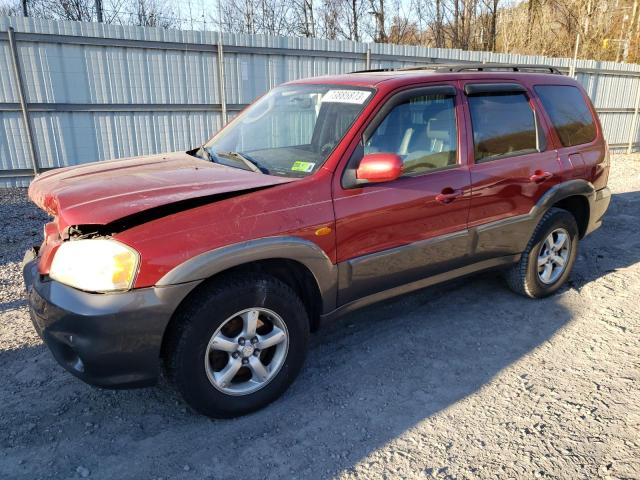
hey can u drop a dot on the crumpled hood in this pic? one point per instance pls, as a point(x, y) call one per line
point(102, 192)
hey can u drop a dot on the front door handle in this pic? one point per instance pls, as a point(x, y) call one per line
point(539, 176)
point(448, 195)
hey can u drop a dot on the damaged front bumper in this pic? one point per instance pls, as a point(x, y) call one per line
point(108, 340)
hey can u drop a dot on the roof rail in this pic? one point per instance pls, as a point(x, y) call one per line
point(461, 67)
point(374, 70)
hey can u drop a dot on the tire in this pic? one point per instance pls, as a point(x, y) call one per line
point(524, 277)
point(211, 311)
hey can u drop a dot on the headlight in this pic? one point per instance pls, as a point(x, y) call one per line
point(98, 265)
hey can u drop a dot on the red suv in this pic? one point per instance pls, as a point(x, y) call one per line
point(325, 195)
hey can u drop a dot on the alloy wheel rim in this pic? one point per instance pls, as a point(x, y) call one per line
point(247, 351)
point(553, 256)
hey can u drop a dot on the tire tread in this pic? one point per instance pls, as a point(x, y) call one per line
point(516, 276)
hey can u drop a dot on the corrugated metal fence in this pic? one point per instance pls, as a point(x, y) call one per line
point(91, 91)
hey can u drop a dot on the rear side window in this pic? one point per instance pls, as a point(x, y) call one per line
point(503, 125)
point(569, 113)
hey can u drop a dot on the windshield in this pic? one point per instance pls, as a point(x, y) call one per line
point(290, 131)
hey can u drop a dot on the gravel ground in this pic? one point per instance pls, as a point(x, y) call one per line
point(465, 380)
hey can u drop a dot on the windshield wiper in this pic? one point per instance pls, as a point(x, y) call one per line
point(249, 162)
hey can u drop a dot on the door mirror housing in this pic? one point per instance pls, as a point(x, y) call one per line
point(379, 167)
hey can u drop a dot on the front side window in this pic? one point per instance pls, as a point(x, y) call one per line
point(503, 125)
point(290, 131)
point(421, 130)
point(569, 113)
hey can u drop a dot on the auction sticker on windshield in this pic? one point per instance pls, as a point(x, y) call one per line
point(299, 166)
point(346, 96)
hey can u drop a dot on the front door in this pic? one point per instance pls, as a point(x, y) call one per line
point(393, 233)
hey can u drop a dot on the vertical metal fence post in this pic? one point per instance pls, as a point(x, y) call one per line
point(17, 72)
point(367, 59)
point(221, 80)
point(632, 133)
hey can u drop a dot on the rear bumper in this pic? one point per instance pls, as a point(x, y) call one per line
point(108, 340)
point(599, 206)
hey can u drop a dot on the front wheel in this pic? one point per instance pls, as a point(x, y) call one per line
point(237, 345)
point(549, 257)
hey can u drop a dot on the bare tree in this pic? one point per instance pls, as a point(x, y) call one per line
point(344, 19)
point(493, 30)
point(403, 31)
point(379, 15)
point(275, 17)
point(11, 8)
point(271, 17)
point(235, 16)
point(76, 10)
point(608, 29)
point(329, 19)
point(308, 27)
point(439, 33)
point(354, 19)
point(153, 13)
point(533, 10)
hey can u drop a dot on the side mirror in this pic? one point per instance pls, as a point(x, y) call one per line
point(379, 167)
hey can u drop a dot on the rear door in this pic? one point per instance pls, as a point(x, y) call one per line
point(581, 148)
point(512, 165)
point(393, 233)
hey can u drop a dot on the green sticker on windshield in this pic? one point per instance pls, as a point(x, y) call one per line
point(299, 166)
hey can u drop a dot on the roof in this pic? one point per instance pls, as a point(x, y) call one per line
point(438, 72)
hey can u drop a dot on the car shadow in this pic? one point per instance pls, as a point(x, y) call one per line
point(370, 376)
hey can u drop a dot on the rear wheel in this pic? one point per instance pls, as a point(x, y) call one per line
point(549, 257)
point(237, 345)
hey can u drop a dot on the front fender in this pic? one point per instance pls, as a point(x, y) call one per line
point(218, 260)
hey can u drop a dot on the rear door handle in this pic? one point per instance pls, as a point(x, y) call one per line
point(539, 176)
point(448, 195)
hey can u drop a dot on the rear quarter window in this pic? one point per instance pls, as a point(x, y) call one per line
point(569, 113)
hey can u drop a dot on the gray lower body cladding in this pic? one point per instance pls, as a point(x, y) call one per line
point(598, 206)
point(440, 258)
